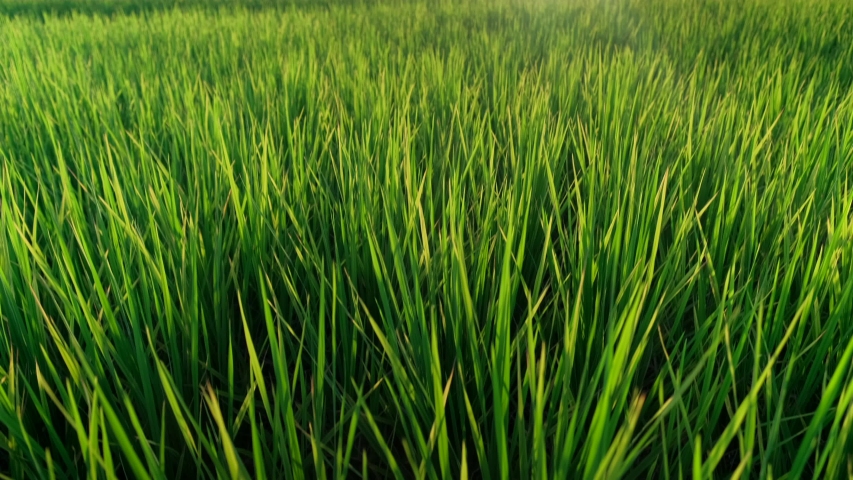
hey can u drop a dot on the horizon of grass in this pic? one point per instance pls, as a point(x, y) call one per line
point(482, 240)
point(40, 9)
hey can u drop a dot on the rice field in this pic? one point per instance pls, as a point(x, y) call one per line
point(406, 239)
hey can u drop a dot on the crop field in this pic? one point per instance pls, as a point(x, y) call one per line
point(503, 239)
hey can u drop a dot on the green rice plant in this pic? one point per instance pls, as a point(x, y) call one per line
point(487, 239)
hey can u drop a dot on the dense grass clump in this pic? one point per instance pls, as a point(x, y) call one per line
point(476, 240)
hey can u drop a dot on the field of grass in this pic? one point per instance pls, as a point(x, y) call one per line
point(489, 239)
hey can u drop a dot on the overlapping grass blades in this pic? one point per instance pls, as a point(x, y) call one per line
point(405, 240)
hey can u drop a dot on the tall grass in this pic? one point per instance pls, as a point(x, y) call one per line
point(482, 240)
